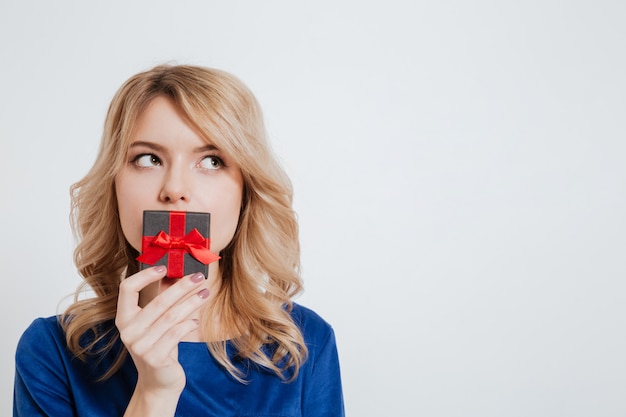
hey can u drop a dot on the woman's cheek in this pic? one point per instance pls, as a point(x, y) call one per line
point(131, 221)
point(132, 231)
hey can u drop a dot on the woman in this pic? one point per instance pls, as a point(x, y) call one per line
point(183, 138)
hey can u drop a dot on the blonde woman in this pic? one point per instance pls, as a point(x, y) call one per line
point(183, 138)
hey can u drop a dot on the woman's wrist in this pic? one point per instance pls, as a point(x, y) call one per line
point(148, 403)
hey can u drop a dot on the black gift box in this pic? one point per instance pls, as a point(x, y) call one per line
point(178, 240)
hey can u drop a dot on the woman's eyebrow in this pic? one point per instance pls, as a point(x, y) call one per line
point(205, 148)
point(157, 147)
point(150, 145)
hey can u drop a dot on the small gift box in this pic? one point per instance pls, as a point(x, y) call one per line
point(178, 240)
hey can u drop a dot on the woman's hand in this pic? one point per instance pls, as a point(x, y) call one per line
point(152, 333)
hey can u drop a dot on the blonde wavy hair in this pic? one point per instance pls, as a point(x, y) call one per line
point(261, 265)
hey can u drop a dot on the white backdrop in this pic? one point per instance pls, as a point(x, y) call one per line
point(459, 174)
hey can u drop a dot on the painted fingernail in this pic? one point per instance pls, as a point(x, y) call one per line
point(203, 293)
point(160, 269)
point(197, 277)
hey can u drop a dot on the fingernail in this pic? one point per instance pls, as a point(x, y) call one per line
point(203, 293)
point(160, 269)
point(197, 277)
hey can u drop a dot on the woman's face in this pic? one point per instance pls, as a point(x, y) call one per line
point(171, 167)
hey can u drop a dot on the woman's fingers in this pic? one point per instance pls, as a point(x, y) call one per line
point(172, 325)
point(172, 295)
point(128, 298)
point(159, 353)
point(140, 327)
point(151, 333)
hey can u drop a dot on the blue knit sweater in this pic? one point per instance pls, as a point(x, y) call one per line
point(50, 381)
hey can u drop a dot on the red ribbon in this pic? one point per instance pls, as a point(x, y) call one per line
point(156, 247)
point(193, 243)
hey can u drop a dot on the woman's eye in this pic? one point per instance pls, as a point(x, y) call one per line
point(146, 160)
point(211, 162)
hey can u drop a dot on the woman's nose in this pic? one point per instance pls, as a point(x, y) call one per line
point(175, 187)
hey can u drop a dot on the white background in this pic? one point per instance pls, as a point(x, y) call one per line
point(459, 169)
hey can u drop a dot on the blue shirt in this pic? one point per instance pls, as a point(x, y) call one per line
point(50, 381)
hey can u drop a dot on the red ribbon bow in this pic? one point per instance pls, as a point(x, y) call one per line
point(193, 243)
